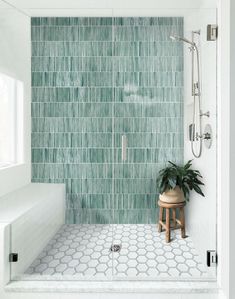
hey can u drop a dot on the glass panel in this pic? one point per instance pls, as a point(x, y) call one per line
point(148, 88)
point(72, 139)
point(109, 96)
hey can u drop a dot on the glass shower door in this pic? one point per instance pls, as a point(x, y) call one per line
point(72, 136)
point(148, 78)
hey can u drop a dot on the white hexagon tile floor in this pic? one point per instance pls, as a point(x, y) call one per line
point(84, 250)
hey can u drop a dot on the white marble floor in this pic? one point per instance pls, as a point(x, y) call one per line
point(84, 250)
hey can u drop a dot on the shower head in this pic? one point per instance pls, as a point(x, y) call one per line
point(183, 39)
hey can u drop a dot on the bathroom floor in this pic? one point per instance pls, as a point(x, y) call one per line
point(84, 250)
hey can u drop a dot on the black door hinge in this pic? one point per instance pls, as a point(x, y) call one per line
point(212, 258)
point(13, 257)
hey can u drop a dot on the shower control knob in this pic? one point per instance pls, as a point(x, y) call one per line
point(207, 136)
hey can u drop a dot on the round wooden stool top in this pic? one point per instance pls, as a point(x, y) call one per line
point(168, 205)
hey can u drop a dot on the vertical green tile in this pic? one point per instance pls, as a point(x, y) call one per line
point(93, 80)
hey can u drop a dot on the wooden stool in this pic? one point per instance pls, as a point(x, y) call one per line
point(181, 223)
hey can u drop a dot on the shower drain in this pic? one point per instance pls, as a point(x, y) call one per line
point(115, 248)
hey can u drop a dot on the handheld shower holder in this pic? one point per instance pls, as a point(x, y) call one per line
point(207, 114)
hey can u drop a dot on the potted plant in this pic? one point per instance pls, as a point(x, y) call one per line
point(175, 182)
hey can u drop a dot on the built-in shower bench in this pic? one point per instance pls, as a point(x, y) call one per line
point(29, 217)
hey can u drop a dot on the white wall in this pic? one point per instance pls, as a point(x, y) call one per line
point(15, 61)
point(201, 211)
point(232, 151)
point(103, 7)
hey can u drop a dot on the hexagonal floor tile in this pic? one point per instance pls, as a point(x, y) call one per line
point(153, 272)
point(152, 263)
point(177, 251)
point(66, 259)
point(104, 259)
point(81, 268)
point(49, 271)
point(70, 251)
point(73, 263)
point(132, 255)
point(132, 263)
point(40, 268)
point(141, 251)
point(142, 267)
point(54, 263)
point(61, 268)
point(69, 271)
point(142, 259)
point(179, 259)
point(122, 259)
point(182, 267)
point(84, 250)
point(169, 255)
point(101, 268)
point(151, 255)
point(132, 272)
point(191, 263)
point(47, 259)
point(77, 255)
point(90, 272)
point(171, 263)
point(93, 263)
point(162, 268)
point(173, 272)
point(133, 248)
point(160, 259)
point(159, 251)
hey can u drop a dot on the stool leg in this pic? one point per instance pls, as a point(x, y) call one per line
point(160, 219)
point(174, 217)
point(168, 229)
point(182, 220)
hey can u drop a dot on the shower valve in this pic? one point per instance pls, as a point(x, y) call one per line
point(207, 136)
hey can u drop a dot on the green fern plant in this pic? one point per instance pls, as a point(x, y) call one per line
point(183, 176)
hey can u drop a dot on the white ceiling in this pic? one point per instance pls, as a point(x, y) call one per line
point(101, 7)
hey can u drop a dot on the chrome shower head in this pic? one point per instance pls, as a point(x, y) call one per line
point(183, 39)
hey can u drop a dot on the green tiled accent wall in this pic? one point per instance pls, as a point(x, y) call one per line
point(94, 80)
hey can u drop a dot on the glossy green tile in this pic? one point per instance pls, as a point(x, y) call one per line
point(93, 80)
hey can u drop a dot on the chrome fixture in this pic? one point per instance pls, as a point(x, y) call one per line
point(183, 39)
point(207, 114)
point(124, 147)
point(207, 136)
point(212, 32)
point(195, 129)
point(116, 248)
